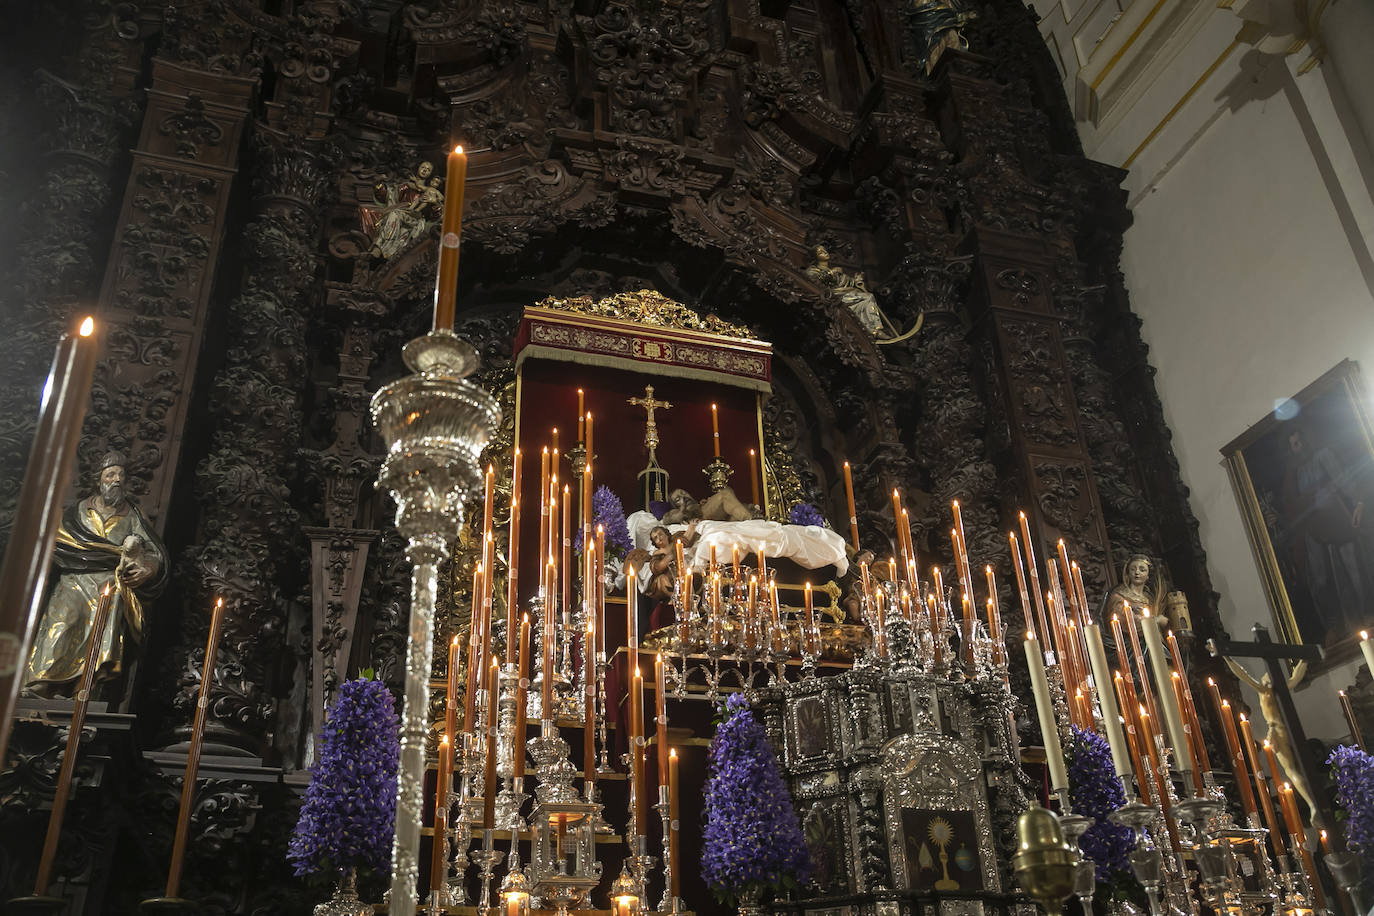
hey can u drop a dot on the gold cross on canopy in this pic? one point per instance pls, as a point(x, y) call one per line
point(650, 427)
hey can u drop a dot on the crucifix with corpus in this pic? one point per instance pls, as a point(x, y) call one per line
point(1286, 734)
point(655, 478)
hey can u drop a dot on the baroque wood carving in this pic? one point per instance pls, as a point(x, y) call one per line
point(702, 149)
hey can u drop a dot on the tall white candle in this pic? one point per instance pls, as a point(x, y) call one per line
point(1367, 647)
point(1044, 709)
point(1164, 689)
point(1106, 696)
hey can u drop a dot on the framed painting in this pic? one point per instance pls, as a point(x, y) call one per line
point(941, 849)
point(1304, 479)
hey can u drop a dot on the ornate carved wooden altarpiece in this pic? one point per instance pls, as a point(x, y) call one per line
point(210, 173)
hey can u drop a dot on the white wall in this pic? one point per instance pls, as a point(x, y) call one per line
point(1249, 260)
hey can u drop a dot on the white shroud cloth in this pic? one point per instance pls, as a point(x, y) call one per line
point(810, 546)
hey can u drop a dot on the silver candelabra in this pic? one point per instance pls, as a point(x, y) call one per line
point(435, 425)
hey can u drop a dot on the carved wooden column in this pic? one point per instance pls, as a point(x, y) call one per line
point(1018, 225)
point(249, 549)
point(1010, 301)
point(1128, 515)
point(157, 285)
point(91, 108)
point(339, 550)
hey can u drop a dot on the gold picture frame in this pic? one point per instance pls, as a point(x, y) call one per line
point(1303, 477)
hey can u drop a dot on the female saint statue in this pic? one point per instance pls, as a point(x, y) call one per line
point(1138, 589)
point(850, 289)
point(405, 210)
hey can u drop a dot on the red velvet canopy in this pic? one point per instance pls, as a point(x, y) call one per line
point(546, 397)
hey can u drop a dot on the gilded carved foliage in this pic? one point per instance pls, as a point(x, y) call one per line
point(789, 452)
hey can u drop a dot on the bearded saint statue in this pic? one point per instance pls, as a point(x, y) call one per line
point(104, 539)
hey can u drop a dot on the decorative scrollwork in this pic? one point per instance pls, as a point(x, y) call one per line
point(647, 306)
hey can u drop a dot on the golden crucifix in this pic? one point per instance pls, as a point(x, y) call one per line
point(650, 427)
point(655, 478)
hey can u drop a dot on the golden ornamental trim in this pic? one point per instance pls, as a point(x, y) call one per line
point(647, 306)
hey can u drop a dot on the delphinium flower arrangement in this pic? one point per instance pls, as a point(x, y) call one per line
point(349, 814)
point(806, 514)
point(609, 513)
point(1095, 791)
point(1353, 772)
point(752, 839)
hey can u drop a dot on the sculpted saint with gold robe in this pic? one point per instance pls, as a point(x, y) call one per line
point(104, 538)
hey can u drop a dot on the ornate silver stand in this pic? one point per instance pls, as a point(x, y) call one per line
point(1211, 851)
point(435, 425)
point(563, 867)
point(603, 667)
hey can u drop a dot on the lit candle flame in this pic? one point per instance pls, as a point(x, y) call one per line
point(87, 326)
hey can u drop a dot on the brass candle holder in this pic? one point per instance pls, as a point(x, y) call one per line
point(1046, 865)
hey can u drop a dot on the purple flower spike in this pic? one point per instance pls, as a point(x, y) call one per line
point(608, 512)
point(1096, 792)
point(1353, 771)
point(349, 814)
point(752, 836)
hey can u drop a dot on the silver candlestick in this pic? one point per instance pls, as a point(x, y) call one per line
point(435, 425)
point(488, 857)
point(469, 813)
point(460, 832)
point(669, 903)
point(603, 766)
point(592, 792)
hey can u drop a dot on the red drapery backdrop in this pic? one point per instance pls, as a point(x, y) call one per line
point(548, 399)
